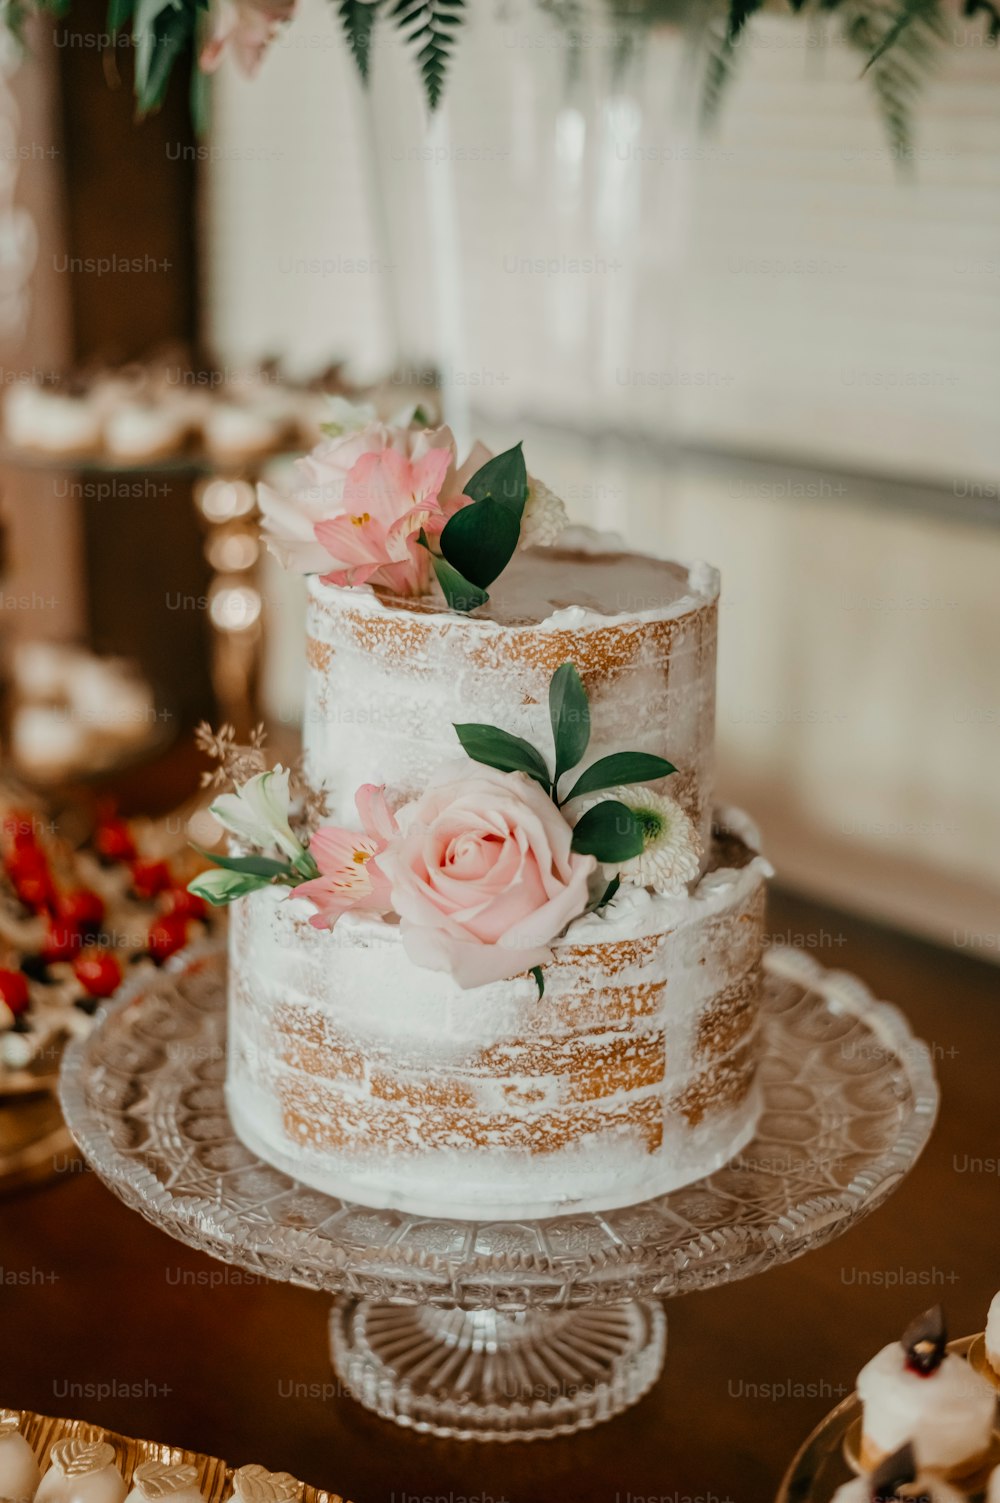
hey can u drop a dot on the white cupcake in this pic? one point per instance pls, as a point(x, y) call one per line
point(19, 1472)
point(165, 1482)
point(238, 432)
point(82, 1471)
point(914, 1391)
point(144, 431)
point(50, 421)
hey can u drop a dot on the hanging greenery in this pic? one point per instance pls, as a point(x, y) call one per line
point(897, 41)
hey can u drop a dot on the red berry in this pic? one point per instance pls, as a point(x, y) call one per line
point(150, 877)
point(61, 942)
point(35, 892)
point(187, 904)
point(19, 830)
point(98, 971)
point(14, 991)
point(25, 861)
point(81, 908)
point(167, 934)
point(113, 841)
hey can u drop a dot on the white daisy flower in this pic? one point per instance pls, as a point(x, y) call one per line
point(671, 856)
point(544, 516)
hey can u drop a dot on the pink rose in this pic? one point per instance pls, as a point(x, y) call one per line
point(483, 878)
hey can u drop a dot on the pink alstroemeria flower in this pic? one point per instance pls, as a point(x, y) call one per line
point(388, 499)
point(351, 878)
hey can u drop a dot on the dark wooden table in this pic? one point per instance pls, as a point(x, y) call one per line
point(104, 1318)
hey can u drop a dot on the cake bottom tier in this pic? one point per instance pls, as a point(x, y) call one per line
point(374, 1080)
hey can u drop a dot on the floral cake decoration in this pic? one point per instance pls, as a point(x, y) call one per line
point(388, 505)
point(490, 864)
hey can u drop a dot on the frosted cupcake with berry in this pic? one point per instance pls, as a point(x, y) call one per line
point(19, 1473)
point(898, 1480)
point(915, 1391)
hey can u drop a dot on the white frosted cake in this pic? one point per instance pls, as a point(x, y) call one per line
point(486, 994)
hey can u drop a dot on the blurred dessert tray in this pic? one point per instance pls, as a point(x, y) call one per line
point(190, 461)
point(829, 1456)
point(215, 1476)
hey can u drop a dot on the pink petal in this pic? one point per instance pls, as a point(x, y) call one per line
point(377, 819)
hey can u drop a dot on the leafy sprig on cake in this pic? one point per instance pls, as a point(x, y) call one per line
point(617, 828)
point(389, 505)
point(486, 868)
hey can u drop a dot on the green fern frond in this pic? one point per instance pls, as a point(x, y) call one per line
point(912, 13)
point(900, 45)
point(719, 45)
point(740, 12)
point(358, 20)
point(430, 27)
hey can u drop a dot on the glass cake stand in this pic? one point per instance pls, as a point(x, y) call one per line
point(503, 1330)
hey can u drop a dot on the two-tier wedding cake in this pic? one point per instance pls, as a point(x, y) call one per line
point(491, 955)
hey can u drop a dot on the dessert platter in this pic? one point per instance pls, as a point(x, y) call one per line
point(78, 911)
point(164, 412)
point(923, 1422)
point(48, 1460)
point(500, 1055)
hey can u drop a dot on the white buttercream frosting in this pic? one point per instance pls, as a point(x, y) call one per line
point(387, 683)
point(947, 1415)
point(666, 983)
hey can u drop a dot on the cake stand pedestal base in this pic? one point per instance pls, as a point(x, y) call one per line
point(491, 1376)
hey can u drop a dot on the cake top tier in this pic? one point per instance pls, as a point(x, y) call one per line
point(599, 582)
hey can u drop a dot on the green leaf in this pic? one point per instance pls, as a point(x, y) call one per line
point(358, 20)
point(496, 748)
point(119, 11)
point(503, 478)
point(620, 767)
point(459, 592)
point(569, 712)
point(609, 831)
point(221, 887)
point(606, 895)
point(161, 32)
point(257, 866)
point(536, 971)
point(480, 540)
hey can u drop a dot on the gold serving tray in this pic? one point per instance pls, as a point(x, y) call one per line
point(215, 1476)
